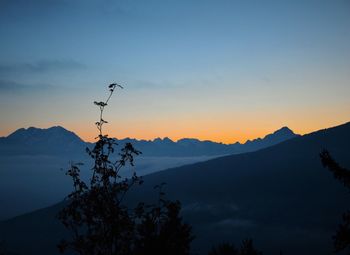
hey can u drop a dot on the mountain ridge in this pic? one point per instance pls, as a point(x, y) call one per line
point(36, 139)
point(31, 129)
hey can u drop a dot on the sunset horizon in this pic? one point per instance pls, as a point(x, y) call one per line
point(174, 127)
point(224, 72)
point(249, 137)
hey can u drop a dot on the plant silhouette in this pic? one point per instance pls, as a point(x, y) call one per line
point(224, 249)
point(342, 236)
point(98, 218)
point(247, 248)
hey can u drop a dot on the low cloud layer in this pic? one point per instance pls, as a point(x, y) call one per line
point(42, 66)
point(12, 86)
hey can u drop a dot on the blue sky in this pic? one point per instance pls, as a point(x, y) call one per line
point(219, 70)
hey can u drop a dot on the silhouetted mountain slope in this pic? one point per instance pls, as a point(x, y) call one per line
point(281, 196)
point(57, 140)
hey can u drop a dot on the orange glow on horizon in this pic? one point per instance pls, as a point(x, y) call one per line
point(220, 135)
point(226, 132)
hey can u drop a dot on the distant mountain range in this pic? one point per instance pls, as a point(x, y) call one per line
point(32, 159)
point(58, 140)
point(280, 196)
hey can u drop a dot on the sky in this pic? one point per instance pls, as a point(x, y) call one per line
point(218, 70)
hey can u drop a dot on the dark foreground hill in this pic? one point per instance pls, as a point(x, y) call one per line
point(280, 196)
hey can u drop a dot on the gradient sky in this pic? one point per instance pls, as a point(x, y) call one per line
point(220, 70)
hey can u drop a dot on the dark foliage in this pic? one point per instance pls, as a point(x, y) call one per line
point(99, 220)
point(162, 231)
point(247, 248)
point(340, 173)
point(342, 236)
point(224, 249)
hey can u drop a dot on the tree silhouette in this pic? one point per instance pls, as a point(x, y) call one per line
point(247, 248)
point(97, 217)
point(162, 230)
point(224, 249)
point(342, 236)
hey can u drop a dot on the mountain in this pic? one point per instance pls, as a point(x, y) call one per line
point(195, 147)
point(276, 137)
point(281, 196)
point(57, 140)
point(30, 141)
